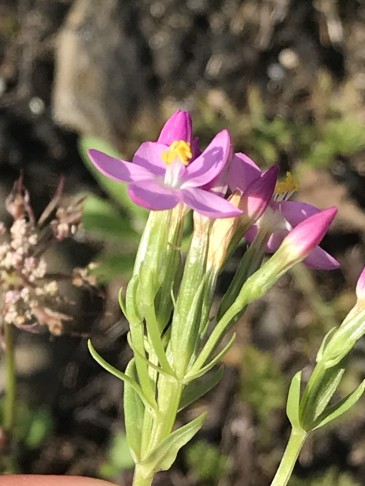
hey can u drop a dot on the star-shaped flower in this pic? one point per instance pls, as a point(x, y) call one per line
point(172, 170)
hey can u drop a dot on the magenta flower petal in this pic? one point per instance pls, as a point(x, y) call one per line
point(118, 170)
point(177, 127)
point(209, 204)
point(321, 260)
point(153, 195)
point(210, 163)
point(149, 156)
point(243, 171)
point(295, 212)
point(276, 240)
point(360, 287)
point(308, 234)
point(259, 193)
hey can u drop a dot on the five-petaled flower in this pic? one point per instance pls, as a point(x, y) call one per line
point(172, 170)
point(281, 215)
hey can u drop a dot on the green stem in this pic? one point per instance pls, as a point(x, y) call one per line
point(139, 479)
point(293, 448)
point(10, 381)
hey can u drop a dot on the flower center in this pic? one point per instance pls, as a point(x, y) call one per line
point(178, 150)
point(285, 189)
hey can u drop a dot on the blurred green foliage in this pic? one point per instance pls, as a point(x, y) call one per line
point(118, 459)
point(332, 477)
point(206, 461)
point(331, 128)
point(263, 385)
point(32, 425)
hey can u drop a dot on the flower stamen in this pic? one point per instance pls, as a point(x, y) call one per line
point(285, 189)
point(179, 149)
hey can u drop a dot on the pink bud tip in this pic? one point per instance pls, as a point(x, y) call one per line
point(309, 233)
point(360, 287)
point(177, 127)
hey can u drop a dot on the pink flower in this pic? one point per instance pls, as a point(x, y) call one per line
point(172, 170)
point(360, 287)
point(281, 216)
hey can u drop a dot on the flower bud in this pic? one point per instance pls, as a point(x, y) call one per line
point(177, 127)
point(301, 240)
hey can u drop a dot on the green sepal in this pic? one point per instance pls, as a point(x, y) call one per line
point(133, 414)
point(122, 303)
point(293, 402)
point(122, 376)
point(336, 410)
point(187, 325)
point(131, 304)
point(154, 338)
point(198, 388)
point(193, 375)
point(324, 343)
point(164, 455)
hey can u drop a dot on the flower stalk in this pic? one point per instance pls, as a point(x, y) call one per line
point(291, 454)
point(10, 382)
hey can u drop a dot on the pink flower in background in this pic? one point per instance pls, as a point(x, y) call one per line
point(172, 170)
point(281, 216)
point(360, 287)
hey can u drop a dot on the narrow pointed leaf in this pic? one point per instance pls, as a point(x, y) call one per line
point(194, 375)
point(119, 374)
point(133, 414)
point(155, 338)
point(122, 302)
point(335, 411)
point(324, 343)
point(293, 402)
point(146, 360)
point(164, 455)
point(197, 389)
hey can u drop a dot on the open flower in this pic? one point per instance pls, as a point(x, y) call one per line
point(281, 215)
point(172, 170)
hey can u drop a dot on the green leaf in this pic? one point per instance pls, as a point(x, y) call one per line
point(101, 218)
point(340, 408)
point(121, 300)
point(119, 374)
point(133, 414)
point(112, 265)
point(293, 402)
point(198, 388)
point(193, 375)
point(119, 458)
point(164, 455)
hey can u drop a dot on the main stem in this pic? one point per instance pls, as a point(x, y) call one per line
point(162, 425)
point(139, 480)
point(293, 448)
point(10, 381)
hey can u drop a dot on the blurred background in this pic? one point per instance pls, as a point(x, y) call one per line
point(287, 78)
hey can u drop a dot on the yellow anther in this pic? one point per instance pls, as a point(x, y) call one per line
point(178, 150)
point(286, 187)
